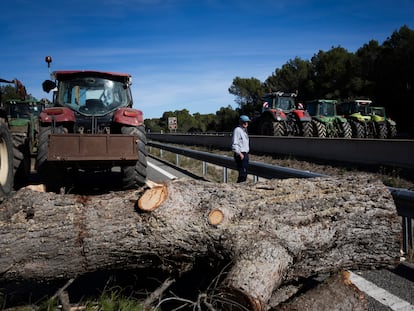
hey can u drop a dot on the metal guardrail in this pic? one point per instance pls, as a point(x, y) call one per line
point(388, 153)
point(403, 198)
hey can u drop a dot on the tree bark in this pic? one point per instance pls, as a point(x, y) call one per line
point(274, 233)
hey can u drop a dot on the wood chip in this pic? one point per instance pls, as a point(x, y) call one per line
point(215, 217)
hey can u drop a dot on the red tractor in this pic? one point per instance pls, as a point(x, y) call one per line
point(91, 128)
point(281, 116)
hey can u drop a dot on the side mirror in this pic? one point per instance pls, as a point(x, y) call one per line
point(48, 85)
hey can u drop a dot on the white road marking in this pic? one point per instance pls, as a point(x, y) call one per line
point(380, 294)
point(160, 170)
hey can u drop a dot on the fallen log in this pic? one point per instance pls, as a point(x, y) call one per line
point(273, 233)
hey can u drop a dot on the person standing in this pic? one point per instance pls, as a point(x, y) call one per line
point(240, 147)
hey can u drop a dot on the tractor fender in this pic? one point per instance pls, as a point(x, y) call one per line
point(342, 119)
point(302, 115)
point(275, 114)
point(57, 114)
point(319, 119)
point(358, 117)
point(129, 116)
point(378, 119)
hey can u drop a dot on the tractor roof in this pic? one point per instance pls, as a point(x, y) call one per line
point(363, 101)
point(279, 94)
point(334, 101)
point(69, 74)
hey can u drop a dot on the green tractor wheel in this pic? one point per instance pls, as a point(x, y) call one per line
point(6, 160)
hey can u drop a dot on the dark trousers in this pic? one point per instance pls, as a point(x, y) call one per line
point(242, 166)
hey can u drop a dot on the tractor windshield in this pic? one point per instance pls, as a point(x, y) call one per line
point(286, 103)
point(363, 109)
point(327, 109)
point(379, 111)
point(92, 95)
point(24, 110)
point(321, 108)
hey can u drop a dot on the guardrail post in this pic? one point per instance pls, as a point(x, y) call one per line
point(177, 159)
point(224, 174)
point(204, 165)
point(161, 153)
point(407, 235)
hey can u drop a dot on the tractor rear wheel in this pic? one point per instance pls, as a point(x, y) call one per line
point(6, 160)
point(135, 176)
point(381, 130)
point(392, 130)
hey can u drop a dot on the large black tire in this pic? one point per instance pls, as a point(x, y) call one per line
point(266, 127)
point(6, 160)
point(51, 175)
point(135, 176)
point(279, 129)
point(357, 128)
point(307, 129)
point(319, 129)
point(21, 160)
point(345, 130)
point(392, 130)
point(382, 131)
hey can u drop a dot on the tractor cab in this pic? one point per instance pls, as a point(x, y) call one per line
point(90, 93)
point(281, 101)
point(322, 108)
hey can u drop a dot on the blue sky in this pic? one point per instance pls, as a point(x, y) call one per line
point(184, 54)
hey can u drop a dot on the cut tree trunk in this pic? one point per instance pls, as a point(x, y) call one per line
point(274, 233)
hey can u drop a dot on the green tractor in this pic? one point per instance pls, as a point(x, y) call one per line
point(22, 117)
point(325, 120)
point(366, 121)
point(378, 115)
point(6, 151)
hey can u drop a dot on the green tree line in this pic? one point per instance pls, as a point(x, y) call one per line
point(383, 73)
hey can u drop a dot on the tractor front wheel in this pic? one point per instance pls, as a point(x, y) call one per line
point(345, 130)
point(357, 128)
point(319, 129)
point(307, 129)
